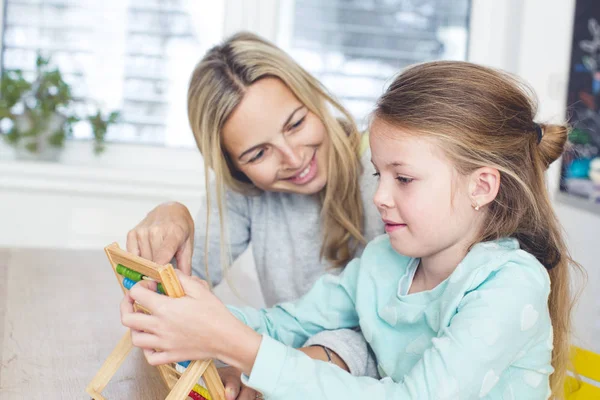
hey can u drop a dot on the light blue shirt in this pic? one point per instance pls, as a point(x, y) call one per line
point(484, 332)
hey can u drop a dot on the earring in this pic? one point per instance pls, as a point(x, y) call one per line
point(476, 206)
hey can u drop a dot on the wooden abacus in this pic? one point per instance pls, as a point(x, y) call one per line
point(129, 268)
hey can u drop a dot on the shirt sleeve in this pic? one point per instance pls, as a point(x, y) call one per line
point(351, 346)
point(329, 305)
point(495, 325)
point(237, 230)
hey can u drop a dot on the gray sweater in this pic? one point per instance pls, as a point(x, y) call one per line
point(285, 232)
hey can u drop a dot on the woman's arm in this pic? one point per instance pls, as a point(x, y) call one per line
point(236, 228)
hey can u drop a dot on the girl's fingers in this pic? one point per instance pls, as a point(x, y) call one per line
point(139, 322)
point(159, 357)
point(127, 305)
point(144, 293)
point(192, 285)
point(145, 340)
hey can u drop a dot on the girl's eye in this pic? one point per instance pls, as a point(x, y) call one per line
point(298, 123)
point(257, 156)
point(376, 174)
point(404, 180)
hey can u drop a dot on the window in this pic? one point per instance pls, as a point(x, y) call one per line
point(355, 47)
point(137, 55)
point(124, 55)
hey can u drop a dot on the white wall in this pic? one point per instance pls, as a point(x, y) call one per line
point(88, 202)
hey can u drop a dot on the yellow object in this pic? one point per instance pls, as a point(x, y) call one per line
point(202, 391)
point(364, 143)
point(586, 364)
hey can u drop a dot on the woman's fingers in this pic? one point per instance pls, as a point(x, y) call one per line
point(132, 245)
point(184, 256)
point(143, 241)
point(232, 382)
point(248, 394)
point(167, 231)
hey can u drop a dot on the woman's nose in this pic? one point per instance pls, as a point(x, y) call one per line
point(292, 157)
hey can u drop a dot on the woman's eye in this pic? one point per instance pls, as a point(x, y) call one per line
point(404, 180)
point(257, 156)
point(298, 123)
point(376, 174)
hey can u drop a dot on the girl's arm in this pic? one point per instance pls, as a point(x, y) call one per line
point(199, 326)
point(329, 305)
point(498, 324)
point(237, 228)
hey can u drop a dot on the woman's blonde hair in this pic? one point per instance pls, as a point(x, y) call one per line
point(217, 86)
point(484, 117)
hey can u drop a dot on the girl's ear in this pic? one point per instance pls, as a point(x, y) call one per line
point(484, 184)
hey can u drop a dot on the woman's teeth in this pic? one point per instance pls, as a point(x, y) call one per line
point(304, 173)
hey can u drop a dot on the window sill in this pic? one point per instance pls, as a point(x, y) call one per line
point(124, 170)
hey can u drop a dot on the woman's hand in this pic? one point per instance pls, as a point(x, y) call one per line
point(196, 326)
point(236, 390)
point(166, 232)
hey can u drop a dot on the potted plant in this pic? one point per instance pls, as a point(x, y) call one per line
point(100, 124)
point(37, 116)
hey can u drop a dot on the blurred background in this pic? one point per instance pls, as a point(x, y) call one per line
point(118, 70)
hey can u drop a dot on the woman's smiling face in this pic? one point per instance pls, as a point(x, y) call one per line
point(276, 141)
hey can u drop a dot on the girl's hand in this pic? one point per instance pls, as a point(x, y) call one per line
point(166, 232)
point(194, 327)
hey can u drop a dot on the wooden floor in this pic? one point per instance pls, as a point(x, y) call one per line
point(59, 320)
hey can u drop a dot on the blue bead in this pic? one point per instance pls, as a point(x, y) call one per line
point(184, 364)
point(128, 283)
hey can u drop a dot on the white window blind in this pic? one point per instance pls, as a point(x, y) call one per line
point(356, 46)
point(117, 54)
point(137, 55)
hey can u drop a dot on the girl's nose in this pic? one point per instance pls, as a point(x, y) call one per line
point(382, 197)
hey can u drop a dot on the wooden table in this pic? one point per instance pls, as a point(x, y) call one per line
point(59, 320)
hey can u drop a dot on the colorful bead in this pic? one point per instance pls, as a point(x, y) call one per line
point(136, 277)
point(129, 273)
point(202, 391)
point(196, 396)
point(128, 283)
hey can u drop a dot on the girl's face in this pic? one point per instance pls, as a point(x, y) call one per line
point(276, 141)
point(422, 200)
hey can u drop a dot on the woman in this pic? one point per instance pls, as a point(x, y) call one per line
point(288, 178)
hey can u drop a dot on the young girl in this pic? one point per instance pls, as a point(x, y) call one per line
point(288, 179)
point(467, 296)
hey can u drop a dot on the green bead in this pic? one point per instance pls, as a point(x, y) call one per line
point(129, 273)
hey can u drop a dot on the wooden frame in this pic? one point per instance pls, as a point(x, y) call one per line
point(180, 385)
